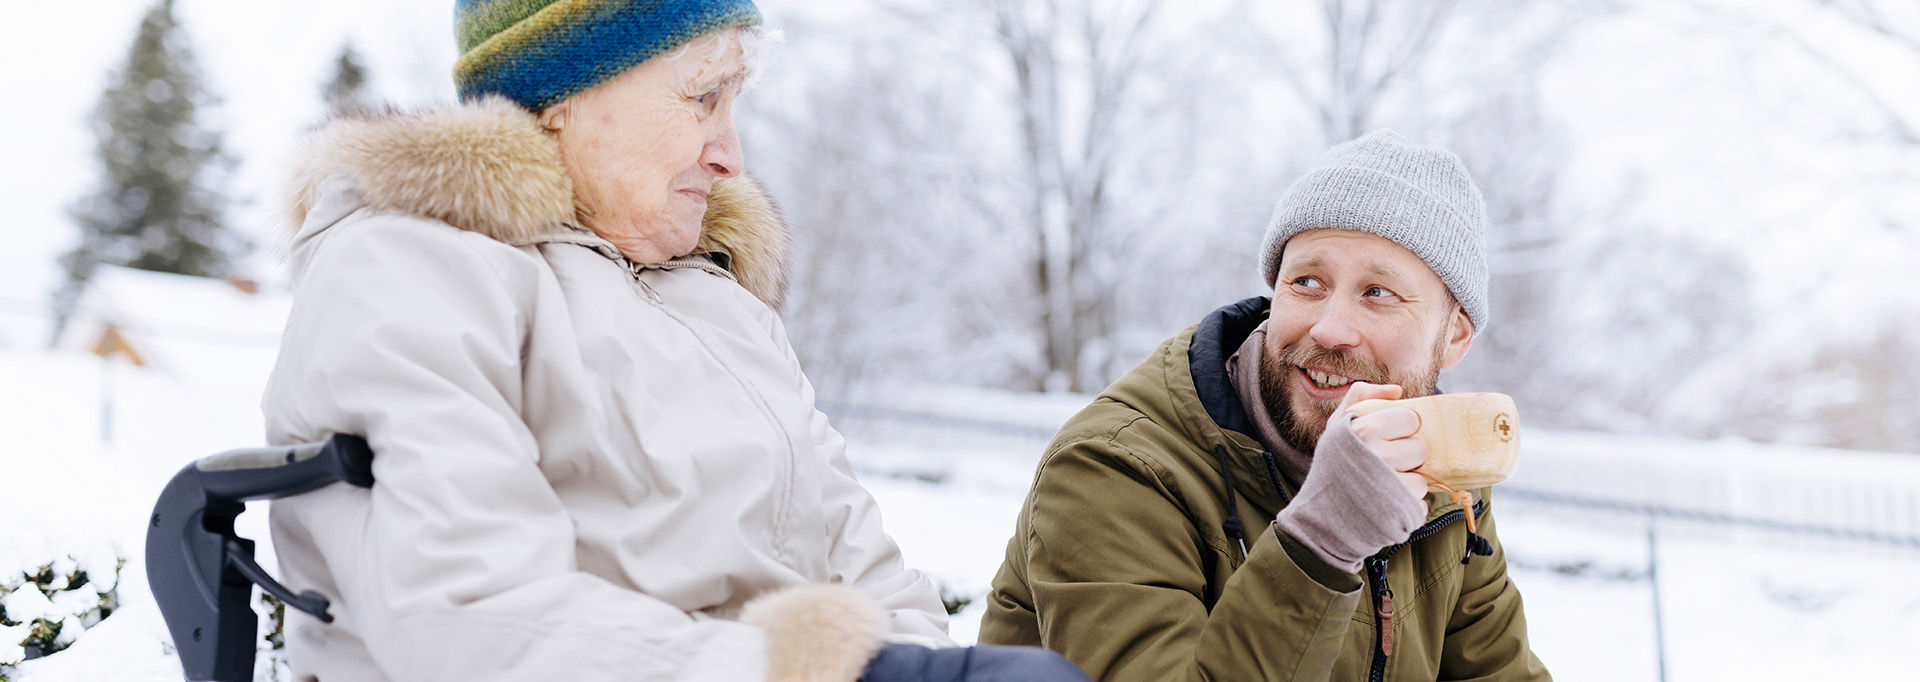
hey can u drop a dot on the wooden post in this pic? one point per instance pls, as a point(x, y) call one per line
point(110, 345)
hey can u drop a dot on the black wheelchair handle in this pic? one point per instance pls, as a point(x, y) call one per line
point(203, 573)
point(275, 472)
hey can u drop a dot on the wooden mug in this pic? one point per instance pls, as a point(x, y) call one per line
point(1473, 439)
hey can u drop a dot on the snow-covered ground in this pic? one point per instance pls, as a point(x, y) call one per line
point(1735, 605)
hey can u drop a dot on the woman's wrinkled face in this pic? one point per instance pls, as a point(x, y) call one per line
point(644, 148)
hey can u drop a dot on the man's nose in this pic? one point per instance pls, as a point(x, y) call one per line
point(1335, 328)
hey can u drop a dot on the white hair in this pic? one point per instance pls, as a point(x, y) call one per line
point(755, 43)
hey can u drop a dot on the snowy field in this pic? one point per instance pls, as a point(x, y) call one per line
point(1736, 605)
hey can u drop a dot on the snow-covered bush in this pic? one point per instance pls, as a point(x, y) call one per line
point(271, 663)
point(44, 609)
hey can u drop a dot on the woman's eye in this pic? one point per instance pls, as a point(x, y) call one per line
point(1307, 281)
point(709, 99)
point(1378, 292)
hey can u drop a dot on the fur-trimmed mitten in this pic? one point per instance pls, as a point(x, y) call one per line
point(817, 633)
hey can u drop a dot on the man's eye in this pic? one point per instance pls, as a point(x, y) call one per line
point(1377, 291)
point(1307, 281)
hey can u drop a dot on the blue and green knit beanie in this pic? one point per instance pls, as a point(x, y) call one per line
point(539, 52)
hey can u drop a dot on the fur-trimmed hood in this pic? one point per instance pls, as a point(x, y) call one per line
point(489, 167)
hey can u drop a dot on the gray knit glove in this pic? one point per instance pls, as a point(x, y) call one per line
point(1351, 505)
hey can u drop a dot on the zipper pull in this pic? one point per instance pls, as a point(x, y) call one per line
point(1382, 603)
point(648, 288)
point(635, 269)
point(1385, 612)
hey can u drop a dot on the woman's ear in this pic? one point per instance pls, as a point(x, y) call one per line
point(553, 118)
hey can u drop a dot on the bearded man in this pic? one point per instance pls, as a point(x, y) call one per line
point(1216, 514)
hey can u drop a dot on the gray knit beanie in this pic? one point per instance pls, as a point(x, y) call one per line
point(1419, 196)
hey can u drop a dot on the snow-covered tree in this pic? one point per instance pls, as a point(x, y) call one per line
point(159, 204)
point(1810, 183)
point(346, 91)
point(1076, 70)
point(906, 262)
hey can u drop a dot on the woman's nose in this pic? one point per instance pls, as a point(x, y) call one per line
point(723, 155)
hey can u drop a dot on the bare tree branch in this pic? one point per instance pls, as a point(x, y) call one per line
point(1899, 125)
point(1866, 14)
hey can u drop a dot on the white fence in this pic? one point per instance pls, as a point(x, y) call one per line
point(1747, 488)
point(1740, 488)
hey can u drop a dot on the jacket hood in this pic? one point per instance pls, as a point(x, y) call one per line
point(488, 167)
point(1184, 384)
point(1220, 334)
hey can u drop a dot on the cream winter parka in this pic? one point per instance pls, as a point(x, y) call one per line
point(586, 468)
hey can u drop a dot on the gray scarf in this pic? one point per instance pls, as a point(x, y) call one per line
point(1243, 371)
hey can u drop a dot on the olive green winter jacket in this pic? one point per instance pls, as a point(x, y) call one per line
point(1121, 559)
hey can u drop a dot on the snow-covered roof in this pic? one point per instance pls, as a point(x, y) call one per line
point(175, 322)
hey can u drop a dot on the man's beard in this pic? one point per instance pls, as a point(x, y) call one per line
point(1302, 425)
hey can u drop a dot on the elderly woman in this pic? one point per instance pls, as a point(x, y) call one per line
point(551, 312)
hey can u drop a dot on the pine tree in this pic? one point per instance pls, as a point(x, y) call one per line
point(346, 93)
point(158, 206)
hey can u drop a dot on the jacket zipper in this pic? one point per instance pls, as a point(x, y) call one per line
point(1383, 593)
point(785, 498)
point(1382, 615)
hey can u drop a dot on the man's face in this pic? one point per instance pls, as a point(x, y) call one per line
point(1353, 306)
